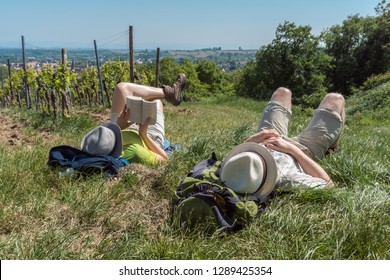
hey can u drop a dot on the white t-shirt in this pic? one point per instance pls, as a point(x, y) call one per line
point(291, 174)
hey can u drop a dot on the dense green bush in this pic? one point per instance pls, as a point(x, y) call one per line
point(375, 81)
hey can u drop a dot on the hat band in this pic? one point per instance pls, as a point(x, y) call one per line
point(265, 173)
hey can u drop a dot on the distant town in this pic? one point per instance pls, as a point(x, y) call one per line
point(228, 60)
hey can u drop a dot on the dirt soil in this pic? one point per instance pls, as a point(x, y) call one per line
point(10, 132)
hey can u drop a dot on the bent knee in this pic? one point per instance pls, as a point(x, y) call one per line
point(333, 101)
point(334, 98)
point(282, 95)
point(337, 97)
point(120, 86)
point(282, 91)
point(123, 89)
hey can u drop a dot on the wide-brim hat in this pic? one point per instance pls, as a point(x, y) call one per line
point(104, 140)
point(268, 163)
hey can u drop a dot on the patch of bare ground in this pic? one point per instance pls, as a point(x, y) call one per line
point(10, 132)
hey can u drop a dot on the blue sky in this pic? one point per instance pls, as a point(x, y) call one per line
point(166, 24)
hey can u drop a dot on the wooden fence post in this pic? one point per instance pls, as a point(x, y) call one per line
point(131, 54)
point(99, 74)
point(157, 66)
point(64, 56)
point(26, 88)
point(65, 98)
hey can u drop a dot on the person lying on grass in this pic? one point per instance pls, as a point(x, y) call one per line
point(136, 142)
point(271, 159)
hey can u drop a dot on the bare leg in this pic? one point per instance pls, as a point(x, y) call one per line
point(122, 90)
point(173, 94)
point(334, 102)
point(324, 129)
point(283, 96)
point(276, 114)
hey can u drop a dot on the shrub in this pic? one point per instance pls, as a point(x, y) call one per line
point(375, 80)
point(375, 99)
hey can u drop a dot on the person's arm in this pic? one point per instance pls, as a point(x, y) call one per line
point(152, 146)
point(308, 165)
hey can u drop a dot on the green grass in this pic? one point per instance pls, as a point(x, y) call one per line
point(47, 216)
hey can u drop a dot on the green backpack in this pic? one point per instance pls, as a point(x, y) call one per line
point(205, 203)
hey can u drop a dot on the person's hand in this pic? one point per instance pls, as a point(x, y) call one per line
point(261, 136)
point(123, 119)
point(281, 145)
point(143, 127)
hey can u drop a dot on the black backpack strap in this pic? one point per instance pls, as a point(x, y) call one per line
point(222, 219)
point(201, 166)
point(201, 187)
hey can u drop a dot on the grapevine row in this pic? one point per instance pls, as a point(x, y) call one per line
point(52, 90)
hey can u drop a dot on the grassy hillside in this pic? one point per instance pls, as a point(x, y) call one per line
point(47, 216)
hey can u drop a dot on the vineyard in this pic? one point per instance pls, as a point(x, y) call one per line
point(57, 91)
point(50, 89)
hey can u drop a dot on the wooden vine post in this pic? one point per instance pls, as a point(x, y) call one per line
point(26, 88)
point(65, 93)
point(99, 74)
point(157, 66)
point(131, 54)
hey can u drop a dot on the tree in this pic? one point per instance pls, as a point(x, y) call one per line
point(194, 88)
point(342, 44)
point(373, 56)
point(169, 69)
point(294, 59)
point(359, 48)
point(210, 74)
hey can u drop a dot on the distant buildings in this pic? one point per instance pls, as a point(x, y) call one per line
point(37, 66)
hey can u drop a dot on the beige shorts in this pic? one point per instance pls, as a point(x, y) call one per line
point(321, 133)
point(155, 131)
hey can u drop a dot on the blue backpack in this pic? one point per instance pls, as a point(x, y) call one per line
point(74, 159)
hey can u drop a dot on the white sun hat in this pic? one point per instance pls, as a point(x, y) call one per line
point(249, 169)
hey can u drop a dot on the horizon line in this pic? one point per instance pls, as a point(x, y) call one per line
point(126, 49)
